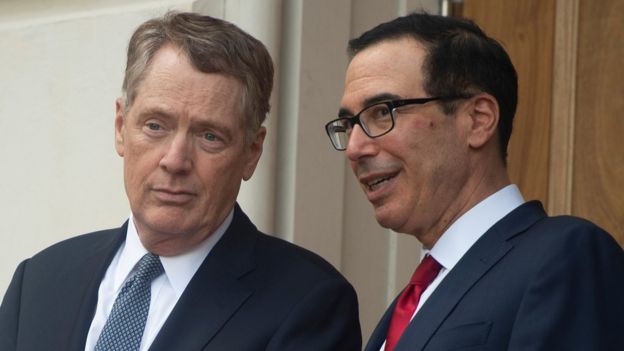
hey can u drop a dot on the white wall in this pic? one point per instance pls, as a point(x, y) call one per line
point(61, 68)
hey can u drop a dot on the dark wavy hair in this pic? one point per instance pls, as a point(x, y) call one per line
point(461, 60)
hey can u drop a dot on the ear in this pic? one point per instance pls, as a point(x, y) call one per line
point(484, 117)
point(254, 152)
point(120, 129)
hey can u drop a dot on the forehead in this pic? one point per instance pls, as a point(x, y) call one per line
point(172, 81)
point(391, 67)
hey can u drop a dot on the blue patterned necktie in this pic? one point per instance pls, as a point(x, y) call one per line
point(124, 328)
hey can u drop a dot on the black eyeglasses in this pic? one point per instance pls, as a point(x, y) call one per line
point(375, 120)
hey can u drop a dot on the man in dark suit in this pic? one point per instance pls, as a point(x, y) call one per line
point(188, 270)
point(425, 120)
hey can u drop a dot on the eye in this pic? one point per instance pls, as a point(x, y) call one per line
point(376, 115)
point(153, 126)
point(211, 142)
point(379, 111)
point(211, 137)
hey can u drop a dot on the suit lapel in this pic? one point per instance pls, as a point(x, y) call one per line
point(89, 274)
point(479, 259)
point(461, 278)
point(215, 293)
point(378, 336)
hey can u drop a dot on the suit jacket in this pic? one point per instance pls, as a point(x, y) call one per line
point(252, 292)
point(531, 282)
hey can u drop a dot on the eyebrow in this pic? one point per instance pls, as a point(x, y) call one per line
point(345, 112)
point(155, 111)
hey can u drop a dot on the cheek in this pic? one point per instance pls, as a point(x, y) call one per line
point(431, 162)
point(134, 178)
point(139, 163)
point(353, 165)
point(221, 172)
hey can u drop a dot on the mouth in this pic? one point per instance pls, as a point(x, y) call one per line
point(173, 196)
point(375, 182)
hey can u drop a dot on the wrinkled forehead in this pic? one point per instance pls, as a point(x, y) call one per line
point(391, 67)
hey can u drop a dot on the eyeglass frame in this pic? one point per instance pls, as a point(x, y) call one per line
point(392, 106)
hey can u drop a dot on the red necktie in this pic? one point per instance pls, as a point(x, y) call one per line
point(427, 270)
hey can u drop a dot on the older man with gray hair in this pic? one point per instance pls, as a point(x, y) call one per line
point(188, 270)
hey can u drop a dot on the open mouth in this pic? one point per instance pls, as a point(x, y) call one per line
point(376, 183)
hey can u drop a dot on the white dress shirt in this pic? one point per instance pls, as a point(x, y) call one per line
point(166, 289)
point(465, 231)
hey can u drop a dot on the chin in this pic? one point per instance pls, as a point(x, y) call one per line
point(386, 219)
point(165, 222)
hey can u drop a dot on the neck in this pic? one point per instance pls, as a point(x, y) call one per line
point(483, 182)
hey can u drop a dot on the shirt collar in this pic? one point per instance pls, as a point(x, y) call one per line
point(468, 228)
point(180, 269)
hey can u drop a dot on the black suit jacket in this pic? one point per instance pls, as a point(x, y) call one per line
point(252, 292)
point(531, 282)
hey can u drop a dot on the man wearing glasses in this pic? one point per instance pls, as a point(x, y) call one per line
point(425, 120)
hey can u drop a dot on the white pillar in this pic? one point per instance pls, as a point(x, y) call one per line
point(311, 173)
point(261, 19)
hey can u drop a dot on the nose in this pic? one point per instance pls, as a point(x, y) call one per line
point(360, 145)
point(178, 156)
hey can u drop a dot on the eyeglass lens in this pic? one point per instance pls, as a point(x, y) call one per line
point(375, 120)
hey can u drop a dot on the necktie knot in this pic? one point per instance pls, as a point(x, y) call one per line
point(426, 272)
point(149, 267)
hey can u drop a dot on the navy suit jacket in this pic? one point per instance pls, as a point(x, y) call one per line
point(252, 292)
point(531, 282)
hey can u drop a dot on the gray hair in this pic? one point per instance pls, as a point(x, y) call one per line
point(213, 46)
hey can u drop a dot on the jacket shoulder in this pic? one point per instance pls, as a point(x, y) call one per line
point(574, 230)
point(80, 246)
point(286, 256)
